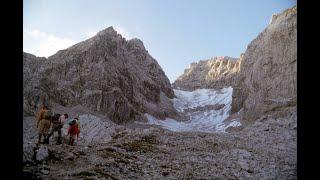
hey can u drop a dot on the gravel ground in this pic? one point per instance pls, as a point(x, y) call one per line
point(263, 150)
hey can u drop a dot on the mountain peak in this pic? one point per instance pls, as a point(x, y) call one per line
point(108, 31)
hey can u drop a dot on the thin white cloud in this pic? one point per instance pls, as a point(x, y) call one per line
point(124, 32)
point(43, 44)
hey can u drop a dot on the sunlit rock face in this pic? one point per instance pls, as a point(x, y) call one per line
point(218, 72)
point(267, 80)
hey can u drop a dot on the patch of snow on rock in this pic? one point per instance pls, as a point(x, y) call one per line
point(199, 106)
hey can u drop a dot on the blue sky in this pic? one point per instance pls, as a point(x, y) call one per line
point(175, 32)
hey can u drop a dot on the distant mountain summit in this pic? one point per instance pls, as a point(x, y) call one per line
point(217, 72)
point(105, 73)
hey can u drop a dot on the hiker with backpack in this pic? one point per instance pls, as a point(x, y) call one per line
point(57, 124)
point(56, 127)
point(74, 130)
point(40, 114)
point(43, 124)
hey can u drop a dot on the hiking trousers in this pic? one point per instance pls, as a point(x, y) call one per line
point(54, 129)
point(72, 138)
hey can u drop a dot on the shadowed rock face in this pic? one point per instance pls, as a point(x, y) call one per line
point(32, 94)
point(267, 80)
point(105, 73)
point(218, 72)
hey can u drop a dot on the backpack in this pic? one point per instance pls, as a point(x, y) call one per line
point(72, 122)
point(73, 129)
point(55, 119)
point(47, 115)
point(78, 126)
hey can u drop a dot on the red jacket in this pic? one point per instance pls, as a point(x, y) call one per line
point(73, 130)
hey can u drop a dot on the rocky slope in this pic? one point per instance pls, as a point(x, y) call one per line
point(263, 150)
point(218, 72)
point(267, 81)
point(105, 73)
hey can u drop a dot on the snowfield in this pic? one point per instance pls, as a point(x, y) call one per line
point(207, 109)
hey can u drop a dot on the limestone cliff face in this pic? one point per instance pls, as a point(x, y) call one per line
point(217, 72)
point(32, 94)
point(267, 80)
point(264, 78)
point(105, 73)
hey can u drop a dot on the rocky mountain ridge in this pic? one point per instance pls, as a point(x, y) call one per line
point(263, 78)
point(105, 73)
point(217, 72)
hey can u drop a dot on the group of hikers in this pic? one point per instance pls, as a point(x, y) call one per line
point(48, 123)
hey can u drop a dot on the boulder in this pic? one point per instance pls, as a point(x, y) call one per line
point(42, 153)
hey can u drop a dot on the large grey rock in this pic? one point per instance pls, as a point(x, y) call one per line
point(218, 72)
point(105, 73)
point(42, 153)
point(28, 152)
point(267, 80)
